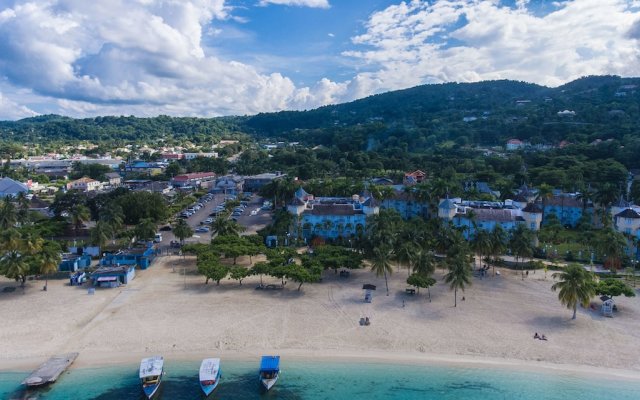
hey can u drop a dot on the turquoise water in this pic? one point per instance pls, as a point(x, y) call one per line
point(305, 380)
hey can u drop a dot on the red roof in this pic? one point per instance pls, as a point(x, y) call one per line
point(514, 141)
point(195, 175)
point(415, 173)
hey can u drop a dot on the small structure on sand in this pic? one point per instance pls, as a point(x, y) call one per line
point(607, 306)
point(368, 292)
point(50, 370)
point(113, 276)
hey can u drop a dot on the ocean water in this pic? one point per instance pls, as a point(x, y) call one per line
point(315, 381)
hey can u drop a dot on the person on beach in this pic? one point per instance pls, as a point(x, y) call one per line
point(536, 336)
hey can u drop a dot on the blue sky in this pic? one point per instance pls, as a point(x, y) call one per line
point(235, 57)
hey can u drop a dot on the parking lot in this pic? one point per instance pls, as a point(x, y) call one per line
point(252, 223)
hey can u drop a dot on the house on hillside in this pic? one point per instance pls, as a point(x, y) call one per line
point(11, 188)
point(84, 184)
point(254, 183)
point(113, 179)
point(514, 144)
point(413, 178)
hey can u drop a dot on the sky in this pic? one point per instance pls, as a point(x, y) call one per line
point(239, 57)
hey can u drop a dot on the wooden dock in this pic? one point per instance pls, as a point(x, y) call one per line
point(50, 370)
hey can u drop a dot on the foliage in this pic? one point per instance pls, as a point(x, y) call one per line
point(182, 230)
point(614, 287)
point(575, 286)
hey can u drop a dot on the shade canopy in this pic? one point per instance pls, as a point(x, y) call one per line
point(368, 286)
point(270, 364)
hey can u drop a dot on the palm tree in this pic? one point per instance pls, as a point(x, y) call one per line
point(23, 207)
point(101, 233)
point(15, 265)
point(498, 244)
point(521, 244)
point(113, 215)
point(612, 245)
point(381, 263)
point(182, 230)
point(79, 215)
point(49, 259)
point(8, 214)
point(424, 262)
point(223, 226)
point(405, 253)
point(576, 285)
point(481, 243)
point(146, 229)
point(459, 275)
point(545, 192)
point(604, 196)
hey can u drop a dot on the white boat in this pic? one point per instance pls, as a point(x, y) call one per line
point(151, 371)
point(209, 375)
point(269, 371)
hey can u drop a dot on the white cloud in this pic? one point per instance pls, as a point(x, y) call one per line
point(143, 57)
point(10, 110)
point(421, 42)
point(299, 3)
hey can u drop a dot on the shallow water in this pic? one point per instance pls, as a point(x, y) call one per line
point(309, 380)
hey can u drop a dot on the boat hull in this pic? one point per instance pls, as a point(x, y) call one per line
point(151, 391)
point(268, 383)
point(208, 389)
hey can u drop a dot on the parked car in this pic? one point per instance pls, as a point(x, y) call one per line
point(202, 229)
point(207, 221)
point(166, 228)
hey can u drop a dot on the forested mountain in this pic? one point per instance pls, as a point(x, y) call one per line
point(483, 113)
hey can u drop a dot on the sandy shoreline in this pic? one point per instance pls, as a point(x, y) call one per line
point(161, 312)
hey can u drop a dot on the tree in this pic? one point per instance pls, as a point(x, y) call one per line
point(575, 285)
point(260, 268)
point(424, 263)
point(146, 229)
point(79, 214)
point(302, 275)
point(223, 226)
point(49, 259)
point(209, 265)
point(612, 245)
point(459, 275)
point(521, 244)
point(421, 281)
point(381, 263)
point(182, 230)
point(101, 233)
point(498, 244)
point(613, 287)
point(405, 253)
point(238, 273)
point(481, 243)
point(23, 207)
point(8, 214)
point(14, 265)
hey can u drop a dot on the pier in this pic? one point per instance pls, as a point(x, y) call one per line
point(50, 370)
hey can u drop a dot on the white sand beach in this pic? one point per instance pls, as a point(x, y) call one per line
point(158, 314)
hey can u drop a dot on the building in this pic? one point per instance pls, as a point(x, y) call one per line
point(514, 144)
point(330, 217)
point(74, 262)
point(113, 276)
point(191, 156)
point(406, 205)
point(140, 256)
point(146, 168)
point(11, 188)
point(413, 178)
point(84, 184)
point(113, 179)
point(196, 179)
point(229, 184)
point(568, 208)
point(486, 215)
point(256, 182)
point(171, 156)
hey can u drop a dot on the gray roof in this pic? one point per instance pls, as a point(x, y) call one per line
point(10, 187)
point(628, 213)
point(447, 204)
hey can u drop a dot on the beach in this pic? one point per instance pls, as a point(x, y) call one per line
point(163, 311)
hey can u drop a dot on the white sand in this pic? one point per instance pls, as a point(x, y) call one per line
point(155, 314)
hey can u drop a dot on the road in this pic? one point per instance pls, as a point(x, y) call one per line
point(252, 223)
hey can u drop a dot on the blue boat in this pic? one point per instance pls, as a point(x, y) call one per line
point(151, 371)
point(269, 371)
point(209, 375)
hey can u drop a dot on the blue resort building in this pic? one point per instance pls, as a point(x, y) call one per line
point(486, 215)
point(627, 221)
point(330, 217)
point(568, 208)
point(136, 256)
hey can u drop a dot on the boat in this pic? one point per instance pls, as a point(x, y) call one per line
point(151, 371)
point(269, 371)
point(209, 375)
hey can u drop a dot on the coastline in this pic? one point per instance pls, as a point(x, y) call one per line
point(368, 357)
point(492, 329)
